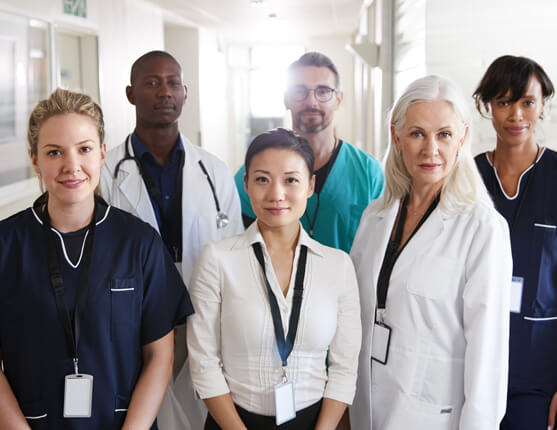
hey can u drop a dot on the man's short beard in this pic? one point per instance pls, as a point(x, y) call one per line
point(317, 128)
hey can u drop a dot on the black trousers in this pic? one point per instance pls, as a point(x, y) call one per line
point(305, 420)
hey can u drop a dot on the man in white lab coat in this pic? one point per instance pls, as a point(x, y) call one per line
point(184, 192)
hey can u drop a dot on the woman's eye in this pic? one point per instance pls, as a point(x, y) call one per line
point(53, 153)
point(502, 103)
point(416, 133)
point(445, 134)
point(86, 149)
point(261, 179)
point(529, 103)
point(292, 180)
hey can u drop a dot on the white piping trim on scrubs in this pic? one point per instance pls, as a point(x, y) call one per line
point(540, 319)
point(75, 266)
point(519, 179)
point(120, 410)
point(37, 417)
point(544, 225)
point(122, 289)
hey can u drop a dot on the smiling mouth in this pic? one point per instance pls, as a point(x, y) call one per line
point(515, 131)
point(72, 183)
point(276, 211)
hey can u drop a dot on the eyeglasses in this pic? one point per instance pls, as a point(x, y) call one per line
point(322, 93)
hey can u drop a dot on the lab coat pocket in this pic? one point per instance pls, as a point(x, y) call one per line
point(432, 276)
point(124, 304)
point(35, 413)
point(415, 413)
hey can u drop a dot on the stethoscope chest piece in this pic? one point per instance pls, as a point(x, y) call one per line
point(222, 220)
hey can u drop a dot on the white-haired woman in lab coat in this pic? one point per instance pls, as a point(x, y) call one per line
point(434, 267)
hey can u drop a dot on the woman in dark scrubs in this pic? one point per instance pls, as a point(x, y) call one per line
point(88, 294)
point(521, 177)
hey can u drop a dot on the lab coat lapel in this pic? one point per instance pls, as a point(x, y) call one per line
point(422, 241)
point(134, 190)
point(192, 189)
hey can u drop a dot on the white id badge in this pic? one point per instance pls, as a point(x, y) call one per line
point(78, 396)
point(516, 294)
point(381, 342)
point(285, 409)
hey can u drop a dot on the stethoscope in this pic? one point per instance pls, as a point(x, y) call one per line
point(221, 218)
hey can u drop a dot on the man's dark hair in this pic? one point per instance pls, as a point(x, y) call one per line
point(280, 138)
point(146, 57)
point(510, 73)
point(315, 59)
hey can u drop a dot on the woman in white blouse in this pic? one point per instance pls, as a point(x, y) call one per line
point(434, 267)
point(237, 366)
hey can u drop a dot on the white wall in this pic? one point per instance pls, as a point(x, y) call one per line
point(183, 43)
point(213, 93)
point(125, 30)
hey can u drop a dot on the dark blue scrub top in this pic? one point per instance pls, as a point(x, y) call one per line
point(533, 334)
point(135, 297)
point(164, 178)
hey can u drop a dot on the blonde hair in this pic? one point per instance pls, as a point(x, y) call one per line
point(62, 102)
point(463, 186)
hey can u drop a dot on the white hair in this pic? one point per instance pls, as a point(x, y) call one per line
point(463, 186)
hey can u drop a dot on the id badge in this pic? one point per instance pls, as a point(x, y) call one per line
point(516, 294)
point(381, 342)
point(78, 396)
point(285, 409)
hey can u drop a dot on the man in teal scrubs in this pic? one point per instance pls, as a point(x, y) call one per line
point(347, 178)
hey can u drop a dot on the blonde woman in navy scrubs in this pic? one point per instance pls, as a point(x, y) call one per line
point(89, 295)
point(270, 303)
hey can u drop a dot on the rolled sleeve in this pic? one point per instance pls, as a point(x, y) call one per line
point(345, 346)
point(203, 328)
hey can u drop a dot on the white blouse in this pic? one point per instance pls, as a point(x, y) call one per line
point(231, 337)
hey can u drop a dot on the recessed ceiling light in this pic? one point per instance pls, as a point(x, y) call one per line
point(256, 2)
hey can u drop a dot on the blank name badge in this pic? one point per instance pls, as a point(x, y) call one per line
point(78, 396)
point(516, 294)
point(285, 409)
point(380, 342)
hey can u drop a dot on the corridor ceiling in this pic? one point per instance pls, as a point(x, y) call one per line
point(279, 20)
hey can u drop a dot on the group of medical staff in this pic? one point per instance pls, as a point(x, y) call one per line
point(147, 288)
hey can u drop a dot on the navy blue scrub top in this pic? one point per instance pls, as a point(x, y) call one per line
point(135, 297)
point(533, 331)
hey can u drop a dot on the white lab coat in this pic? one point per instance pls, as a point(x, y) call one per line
point(180, 408)
point(448, 307)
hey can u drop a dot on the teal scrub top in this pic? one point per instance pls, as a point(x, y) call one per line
point(355, 179)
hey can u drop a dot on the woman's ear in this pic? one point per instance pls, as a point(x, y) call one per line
point(311, 188)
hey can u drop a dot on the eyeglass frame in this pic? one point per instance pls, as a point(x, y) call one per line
point(308, 90)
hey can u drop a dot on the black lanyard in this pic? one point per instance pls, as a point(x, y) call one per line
point(392, 253)
point(329, 166)
point(57, 284)
point(522, 195)
point(285, 345)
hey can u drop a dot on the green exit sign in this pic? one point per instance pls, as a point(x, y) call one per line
point(76, 7)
